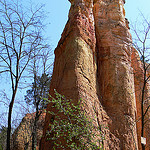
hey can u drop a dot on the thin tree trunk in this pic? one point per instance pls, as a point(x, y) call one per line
point(9, 119)
point(34, 133)
point(142, 104)
point(143, 147)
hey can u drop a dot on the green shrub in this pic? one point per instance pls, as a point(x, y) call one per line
point(70, 128)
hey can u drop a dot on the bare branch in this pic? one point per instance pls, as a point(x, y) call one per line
point(146, 110)
point(4, 71)
point(20, 42)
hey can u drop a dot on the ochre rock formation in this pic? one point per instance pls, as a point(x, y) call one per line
point(115, 77)
point(22, 136)
point(139, 82)
point(75, 65)
point(93, 63)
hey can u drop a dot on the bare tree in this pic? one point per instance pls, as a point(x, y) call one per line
point(20, 35)
point(141, 43)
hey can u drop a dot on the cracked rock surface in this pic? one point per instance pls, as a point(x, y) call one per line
point(93, 63)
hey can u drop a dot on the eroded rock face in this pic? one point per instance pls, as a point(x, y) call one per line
point(75, 69)
point(22, 137)
point(93, 62)
point(139, 83)
point(115, 75)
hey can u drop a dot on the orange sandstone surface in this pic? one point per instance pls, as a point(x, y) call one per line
point(22, 136)
point(93, 63)
point(138, 82)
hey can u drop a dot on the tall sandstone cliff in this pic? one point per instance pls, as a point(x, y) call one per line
point(93, 62)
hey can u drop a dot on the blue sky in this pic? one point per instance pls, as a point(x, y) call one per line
point(57, 17)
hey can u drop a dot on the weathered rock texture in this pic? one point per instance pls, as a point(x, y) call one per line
point(115, 78)
point(22, 137)
point(75, 69)
point(93, 62)
point(139, 83)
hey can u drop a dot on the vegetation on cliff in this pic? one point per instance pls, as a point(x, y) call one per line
point(71, 127)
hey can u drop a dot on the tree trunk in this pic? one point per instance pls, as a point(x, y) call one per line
point(34, 133)
point(9, 120)
point(142, 104)
point(143, 147)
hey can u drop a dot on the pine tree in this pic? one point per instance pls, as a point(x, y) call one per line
point(35, 96)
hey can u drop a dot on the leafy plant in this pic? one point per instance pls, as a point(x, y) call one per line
point(71, 127)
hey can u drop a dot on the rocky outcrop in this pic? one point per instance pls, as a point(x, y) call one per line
point(22, 136)
point(139, 83)
point(93, 63)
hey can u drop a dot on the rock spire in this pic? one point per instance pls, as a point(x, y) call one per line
point(93, 62)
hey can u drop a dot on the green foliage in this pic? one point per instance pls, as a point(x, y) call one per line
point(70, 127)
point(38, 91)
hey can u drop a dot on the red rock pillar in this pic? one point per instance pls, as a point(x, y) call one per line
point(74, 73)
point(93, 62)
point(115, 75)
